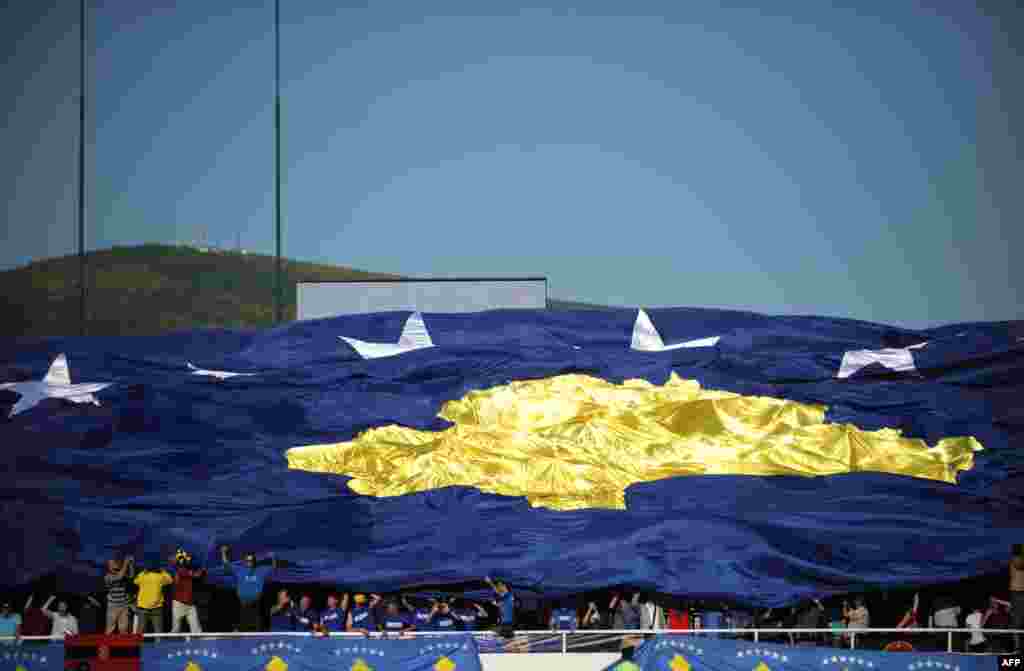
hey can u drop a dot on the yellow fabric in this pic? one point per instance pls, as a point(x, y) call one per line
point(276, 664)
point(575, 441)
point(151, 584)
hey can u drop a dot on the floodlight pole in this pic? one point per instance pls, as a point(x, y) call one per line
point(82, 325)
point(278, 278)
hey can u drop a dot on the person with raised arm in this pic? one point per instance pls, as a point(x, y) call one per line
point(250, 579)
point(361, 618)
point(64, 623)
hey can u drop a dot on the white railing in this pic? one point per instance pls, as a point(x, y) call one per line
point(611, 634)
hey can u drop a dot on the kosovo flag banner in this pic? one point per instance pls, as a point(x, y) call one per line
point(457, 653)
point(711, 453)
point(688, 653)
point(32, 656)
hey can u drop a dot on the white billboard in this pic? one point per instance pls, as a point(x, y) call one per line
point(329, 299)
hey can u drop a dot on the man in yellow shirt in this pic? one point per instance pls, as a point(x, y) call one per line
point(149, 606)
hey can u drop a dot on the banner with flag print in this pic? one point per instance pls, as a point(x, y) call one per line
point(32, 656)
point(735, 456)
point(449, 653)
point(688, 653)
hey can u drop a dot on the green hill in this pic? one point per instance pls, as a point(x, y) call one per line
point(151, 289)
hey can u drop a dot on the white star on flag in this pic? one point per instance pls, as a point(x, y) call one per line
point(219, 374)
point(55, 384)
point(414, 336)
point(647, 339)
point(899, 359)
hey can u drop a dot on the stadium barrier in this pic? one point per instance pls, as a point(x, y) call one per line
point(607, 640)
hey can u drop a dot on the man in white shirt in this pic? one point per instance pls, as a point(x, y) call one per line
point(64, 623)
point(651, 615)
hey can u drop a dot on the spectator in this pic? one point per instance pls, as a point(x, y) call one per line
point(857, 617)
point(626, 616)
point(976, 622)
point(443, 619)
point(282, 614)
point(679, 618)
point(713, 618)
point(1017, 592)
point(564, 618)
point(652, 616)
point(10, 623)
point(307, 617)
point(333, 619)
point(909, 620)
point(89, 616)
point(183, 604)
point(506, 603)
point(119, 600)
point(149, 604)
point(998, 617)
point(811, 616)
point(250, 580)
point(394, 620)
point(421, 615)
point(64, 623)
point(592, 618)
point(946, 615)
point(361, 618)
point(471, 615)
point(35, 622)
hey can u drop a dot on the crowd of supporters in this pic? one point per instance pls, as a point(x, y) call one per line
point(140, 599)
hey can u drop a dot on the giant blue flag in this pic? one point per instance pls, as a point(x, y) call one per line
point(710, 453)
point(685, 653)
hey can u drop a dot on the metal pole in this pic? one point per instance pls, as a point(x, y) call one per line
point(949, 641)
point(565, 643)
point(82, 326)
point(278, 279)
point(853, 640)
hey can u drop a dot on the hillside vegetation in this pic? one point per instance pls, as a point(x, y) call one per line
point(153, 289)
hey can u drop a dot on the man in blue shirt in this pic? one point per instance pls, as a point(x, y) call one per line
point(564, 618)
point(307, 618)
point(471, 615)
point(333, 619)
point(282, 614)
point(421, 615)
point(394, 621)
point(444, 619)
point(361, 618)
point(250, 580)
point(506, 604)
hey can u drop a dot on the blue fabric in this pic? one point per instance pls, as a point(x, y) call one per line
point(173, 459)
point(422, 619)
point(309, 654)
point(32, 656)
point(333, 619)
point(704, 654)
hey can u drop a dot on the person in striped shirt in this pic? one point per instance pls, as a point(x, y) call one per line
point(119, 600)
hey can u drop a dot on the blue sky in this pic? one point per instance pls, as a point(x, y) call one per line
point(800, 157)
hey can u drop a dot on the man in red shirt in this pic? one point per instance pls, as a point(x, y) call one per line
point(183, 604)
point(35, 622)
